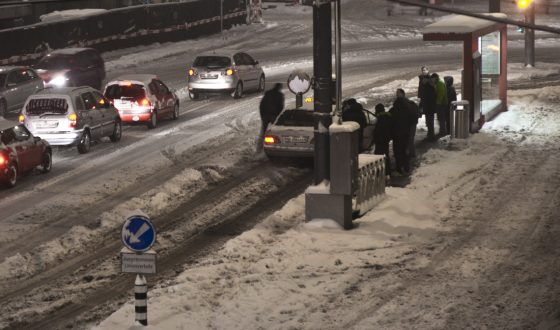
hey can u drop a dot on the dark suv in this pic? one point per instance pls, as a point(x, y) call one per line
point(72, 67)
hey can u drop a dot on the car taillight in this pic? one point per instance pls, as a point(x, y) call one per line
point(144, 102)
point(21, 119)
point(73, 118)
point(3, 159)
point(192, 72)
point(271, 139)
point(229, 72)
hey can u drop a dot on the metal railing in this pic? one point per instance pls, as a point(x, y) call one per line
point(370, 186)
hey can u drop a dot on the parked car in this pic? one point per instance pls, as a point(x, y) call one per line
point(235, 74)
point(21, 152)
point(292, 134)
point(142, 98)
point(72, 67)
point(71, 116)
point(16, 84)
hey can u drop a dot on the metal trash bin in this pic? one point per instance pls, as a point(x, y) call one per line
point(460, 119)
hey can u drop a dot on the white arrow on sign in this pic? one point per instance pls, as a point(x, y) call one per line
point(142, 230)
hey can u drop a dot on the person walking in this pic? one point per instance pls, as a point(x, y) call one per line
point(427, 96)
point(354, 111)
point(451, 96)
point(402, 121)
point(441, 103)
point(270, 107)
point(382, 134)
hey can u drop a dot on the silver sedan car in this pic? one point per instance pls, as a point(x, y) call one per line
point(292, 134)
point(16, 84)
point(221, 73)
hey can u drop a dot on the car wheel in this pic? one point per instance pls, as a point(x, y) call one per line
point(261, 84)
point(11, 178)
point(46, 163)
point(193, 95)
point(85, 143)
point(3, 108)
point(117, 132)
point(153, 120)
point(238, 92)
point(175, 111)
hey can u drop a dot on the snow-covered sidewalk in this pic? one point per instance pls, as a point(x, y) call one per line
point(288, 274)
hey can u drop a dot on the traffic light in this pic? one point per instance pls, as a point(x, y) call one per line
point(523, 4)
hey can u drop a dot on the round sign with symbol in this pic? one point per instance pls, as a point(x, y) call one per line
point(138, 233)
point(299, 82)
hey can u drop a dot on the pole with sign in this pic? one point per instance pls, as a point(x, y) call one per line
point(299, 83)
point(138, 236)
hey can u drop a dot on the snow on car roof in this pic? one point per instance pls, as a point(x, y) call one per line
point(145, 78)
point(68, 51)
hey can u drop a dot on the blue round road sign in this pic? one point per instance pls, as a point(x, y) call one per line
point(138, 233)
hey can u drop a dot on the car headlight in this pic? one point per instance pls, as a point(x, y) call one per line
point(58, 81)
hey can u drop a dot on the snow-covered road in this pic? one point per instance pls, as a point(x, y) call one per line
point(287, 274)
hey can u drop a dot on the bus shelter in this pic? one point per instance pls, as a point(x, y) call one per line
point(484, 74)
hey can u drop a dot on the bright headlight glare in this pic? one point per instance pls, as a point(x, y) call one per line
point(58, 81)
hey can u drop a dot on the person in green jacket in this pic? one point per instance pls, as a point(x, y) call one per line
point(441, 103)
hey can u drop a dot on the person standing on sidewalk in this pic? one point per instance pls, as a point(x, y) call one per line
point(427, 96)
point(441, 103)
point(382, 135)
point(451, 96)
point(402, 121)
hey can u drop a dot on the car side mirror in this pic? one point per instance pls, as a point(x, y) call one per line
point(36, 139)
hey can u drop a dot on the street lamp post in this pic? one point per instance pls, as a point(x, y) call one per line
point(528, 6)
point(322, 73)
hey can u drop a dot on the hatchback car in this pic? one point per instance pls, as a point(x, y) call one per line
point(21, 152)
point(16, 84)
point(235, 74)
point(292, 134)
point(71, 116)
point(142, 98)
point(72, 67)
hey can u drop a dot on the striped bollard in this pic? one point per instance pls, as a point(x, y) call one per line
point(141, 299)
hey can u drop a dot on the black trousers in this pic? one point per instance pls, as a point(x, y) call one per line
point(383, 149)
point(400, 144)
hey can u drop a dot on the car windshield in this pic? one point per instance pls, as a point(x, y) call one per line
point(212, 61)
point(133, 91)
point(2, 79)
point(51, 62)
point(47, 106)
point(296, 117)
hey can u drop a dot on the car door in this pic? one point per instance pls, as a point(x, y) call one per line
point(31, 150)
point(91, 115)
point(253, 71)
point(166, 96)
point(14, 94)
point(156, 97)
point(107, 113)
point(241, 68)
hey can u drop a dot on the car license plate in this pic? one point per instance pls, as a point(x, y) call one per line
point(295, 139)
point(208, 76)
point(46, 124)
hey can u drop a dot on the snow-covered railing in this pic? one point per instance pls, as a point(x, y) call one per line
point(370, 183)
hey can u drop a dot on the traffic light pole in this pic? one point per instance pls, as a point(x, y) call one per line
point(322, 72)
point(530, 36)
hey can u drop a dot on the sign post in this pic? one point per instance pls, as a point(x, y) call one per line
point(299, 83)
point(138, 236)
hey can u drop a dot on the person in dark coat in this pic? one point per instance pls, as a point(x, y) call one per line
point(270, 107)
point(427, 96)
point(382, 134)
point(451, 96)
point(403, 119)
point(354, 111)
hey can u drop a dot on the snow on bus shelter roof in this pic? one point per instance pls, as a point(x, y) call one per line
point(457, 27)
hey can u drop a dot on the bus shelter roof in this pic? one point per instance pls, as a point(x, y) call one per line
point(459, 27)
